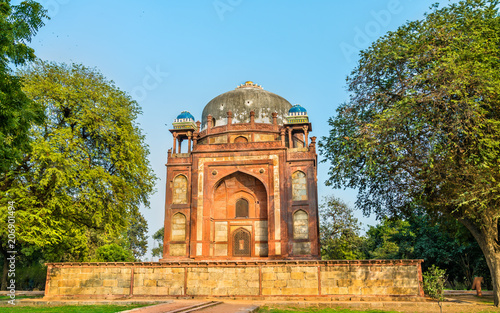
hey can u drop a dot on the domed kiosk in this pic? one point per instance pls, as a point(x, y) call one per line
point(245, 187)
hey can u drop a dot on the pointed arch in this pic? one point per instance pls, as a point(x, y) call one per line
point(299, 186)
point(300, 225)
point(241, 208)
point(178, 227)
point(242, 243)
point(180, 190)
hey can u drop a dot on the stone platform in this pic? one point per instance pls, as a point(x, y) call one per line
point(236, 279)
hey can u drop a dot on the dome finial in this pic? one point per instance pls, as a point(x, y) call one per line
point(249, 84)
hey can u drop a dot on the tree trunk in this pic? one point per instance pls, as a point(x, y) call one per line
point(493, 260)
point(5, 270)
point(487, 238)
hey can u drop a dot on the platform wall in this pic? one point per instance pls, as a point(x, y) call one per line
point(366, 278)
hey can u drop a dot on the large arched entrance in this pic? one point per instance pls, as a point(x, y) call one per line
point(239, 210)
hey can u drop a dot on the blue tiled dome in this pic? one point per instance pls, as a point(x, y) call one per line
point(297, 109)
point(185, 115)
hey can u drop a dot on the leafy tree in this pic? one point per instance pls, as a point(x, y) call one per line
point(137, 234)
point(391, 239)
point(422, 125)
point(113, 253)
point(87, 172)
point(339, 231)
point(158, 237)
point(18, 23)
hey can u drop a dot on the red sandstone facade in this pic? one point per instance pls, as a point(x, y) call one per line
point(244, 189)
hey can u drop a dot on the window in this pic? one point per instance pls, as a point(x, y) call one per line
point(299, 186)
point(241, 208)
point(241, 243)
point(178, 227)
point(300, 225)
point(179, 191)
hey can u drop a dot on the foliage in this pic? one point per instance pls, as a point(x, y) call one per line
point(18, 23)
point(434, 280)
point(158, 237)
point(339, 231)
point(391, 239)
point(87, 173)
point(113, 253)
point(446, 244)
point(422, 125)
point(137, 234)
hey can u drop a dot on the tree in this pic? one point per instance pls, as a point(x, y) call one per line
point(339, 231)
point(391, 239)
point(113, 253)
point(158, 237)
point(137, 234)
point(434, 280)
point(422, 126)
point(87, 172)
point(18, 23)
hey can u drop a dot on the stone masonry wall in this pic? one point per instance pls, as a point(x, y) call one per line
point(259, 279)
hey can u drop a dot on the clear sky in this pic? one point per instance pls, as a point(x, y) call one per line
point(178, 55)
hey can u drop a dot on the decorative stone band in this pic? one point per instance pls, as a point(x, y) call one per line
point(383, 279)
point(184, 125)
point(297, 119)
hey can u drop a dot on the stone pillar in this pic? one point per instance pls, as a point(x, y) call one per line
point(180, 141)
point(175, 142)
point(313, 144)
point(198, 124)
point(275, 118)
point(189, 141)
point(282, 135)
point(209, 123)
point(195, 139)
point(290, 140)
point(229, 119)
point(252, 119)
point(305, 135)
point(169, 153)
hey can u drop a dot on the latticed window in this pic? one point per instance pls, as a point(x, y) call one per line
point(242, 208)
point(180, 190)
point(300, 225)
point(299, 186)
point(241, 243)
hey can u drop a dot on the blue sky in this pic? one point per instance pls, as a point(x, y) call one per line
point(178, 55)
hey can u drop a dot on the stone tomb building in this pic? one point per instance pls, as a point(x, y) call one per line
point(241, 218)
point(242, 183)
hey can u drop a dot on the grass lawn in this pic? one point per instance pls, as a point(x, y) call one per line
point(317, 310)
point(69, 308)
point(341, 310)
point(20, 297)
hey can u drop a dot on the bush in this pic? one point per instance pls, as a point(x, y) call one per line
point(434, 280)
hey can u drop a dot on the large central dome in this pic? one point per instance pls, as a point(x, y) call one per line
point(245, 98)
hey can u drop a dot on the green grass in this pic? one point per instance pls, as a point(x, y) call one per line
point(317, 310)
point(69, 308)
point(20, 297)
